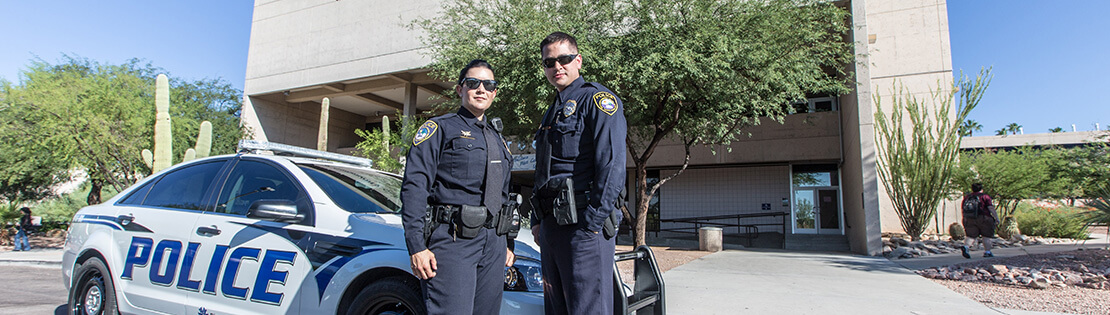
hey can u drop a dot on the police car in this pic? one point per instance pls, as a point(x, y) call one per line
point(259, 234)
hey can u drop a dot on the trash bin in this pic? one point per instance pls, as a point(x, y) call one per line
point(710, 239)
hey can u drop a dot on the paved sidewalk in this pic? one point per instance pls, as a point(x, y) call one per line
point(34, 257)
point(785, 282)
point(782, 282)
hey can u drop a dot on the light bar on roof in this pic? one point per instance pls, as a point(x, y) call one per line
point(252, 145)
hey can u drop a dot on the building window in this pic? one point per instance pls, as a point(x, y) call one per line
point(653, 204)
point(817, 104)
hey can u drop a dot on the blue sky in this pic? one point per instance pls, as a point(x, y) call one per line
point(192, 39)
point(1050, 61)
point(1050, 58)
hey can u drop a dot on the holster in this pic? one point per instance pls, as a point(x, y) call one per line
point(470, 221)
point(508, 221)
point(612, 222)
point(564, 207)
point(430, 223)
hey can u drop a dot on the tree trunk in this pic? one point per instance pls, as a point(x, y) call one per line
point(94, 192)
point(639, 226)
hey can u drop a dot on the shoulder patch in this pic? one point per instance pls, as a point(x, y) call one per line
point(606, 102)
point(569, 108)
point(426, 131)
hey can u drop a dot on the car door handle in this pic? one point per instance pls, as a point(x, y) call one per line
point(124, 219)
point(208, 231)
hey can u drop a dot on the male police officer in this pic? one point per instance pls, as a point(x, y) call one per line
point(456, 179)
point(580, 171)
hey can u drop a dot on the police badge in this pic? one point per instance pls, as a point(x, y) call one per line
point(569, 108)
point(426, 131)
point(606, 102)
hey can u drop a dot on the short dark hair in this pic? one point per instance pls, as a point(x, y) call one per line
point(25, 210)
point(976, 187)
point(473, 63)
point(559, 37)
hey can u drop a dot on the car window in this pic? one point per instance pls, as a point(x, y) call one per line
point(136, 197)
point(251, 181)
point(357, 190)
point(183, 188)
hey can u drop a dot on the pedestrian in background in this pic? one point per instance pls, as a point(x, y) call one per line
point(25, 226)
point(979, 220)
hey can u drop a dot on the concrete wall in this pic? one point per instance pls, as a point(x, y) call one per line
point(300, 43)
point(801, 137)
point(908, 45)
point(721, 191)
point(298, 124)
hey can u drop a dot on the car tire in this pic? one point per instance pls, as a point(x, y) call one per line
point(389, 296)
point(93, 291)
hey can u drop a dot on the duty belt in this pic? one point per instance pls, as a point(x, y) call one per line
point(581, 200)
point(447, 214)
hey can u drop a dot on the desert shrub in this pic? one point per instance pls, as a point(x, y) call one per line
point(956, 230)
point(1061, 222)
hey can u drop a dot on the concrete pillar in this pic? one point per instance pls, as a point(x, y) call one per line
point(410, 104)
point(710, 239)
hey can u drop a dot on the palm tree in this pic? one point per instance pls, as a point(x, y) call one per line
point(1000, 132)
point(1056, 130)
point(970, 126)
point(1013, 128)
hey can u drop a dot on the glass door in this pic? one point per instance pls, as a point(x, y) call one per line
point(816, 200)
point(816, 211)
point(805, 212)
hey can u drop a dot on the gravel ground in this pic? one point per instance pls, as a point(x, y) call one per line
point(666, 257)
point(1070, 299)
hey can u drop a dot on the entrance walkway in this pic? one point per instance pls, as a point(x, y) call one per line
point(783, 282)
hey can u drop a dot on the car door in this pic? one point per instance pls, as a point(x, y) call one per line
point(254, 266)
point(152, 254)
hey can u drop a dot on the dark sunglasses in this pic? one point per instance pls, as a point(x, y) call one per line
point(563, 60)
point(472, 83)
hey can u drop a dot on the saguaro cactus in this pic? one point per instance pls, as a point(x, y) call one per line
point(162, 158)
point(322, 140)
point(204, 143)
point(385, 133)
point(163, 132)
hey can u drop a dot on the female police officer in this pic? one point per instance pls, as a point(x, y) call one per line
point(456, 179)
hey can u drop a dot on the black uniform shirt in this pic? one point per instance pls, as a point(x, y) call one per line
point(446, 165)
point(586, 130)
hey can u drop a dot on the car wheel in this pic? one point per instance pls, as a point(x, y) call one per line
point(93, 292)
point(389, 296)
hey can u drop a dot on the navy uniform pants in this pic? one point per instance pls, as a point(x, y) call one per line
point(470, 277)
point(577, 269)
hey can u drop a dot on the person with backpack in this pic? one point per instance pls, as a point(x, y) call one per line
point(979, 219)
point(24, 227)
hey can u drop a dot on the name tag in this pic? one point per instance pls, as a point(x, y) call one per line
point(495, 162)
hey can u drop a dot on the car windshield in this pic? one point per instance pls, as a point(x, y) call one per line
point(357, 190)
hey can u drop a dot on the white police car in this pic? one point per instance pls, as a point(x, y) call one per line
point(259, 234)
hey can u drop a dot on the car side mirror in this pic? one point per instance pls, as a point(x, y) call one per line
point(274, 210)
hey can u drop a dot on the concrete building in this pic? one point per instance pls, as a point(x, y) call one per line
point(818, 168)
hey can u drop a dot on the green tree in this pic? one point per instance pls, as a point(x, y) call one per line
point(695, 71)
point(1008, 176)
point(1013, 128)
point(98, 117)
point(969, 127)
point(1000, 132)
point(1056, 130)
point(916, 168)
point(1079, 172)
